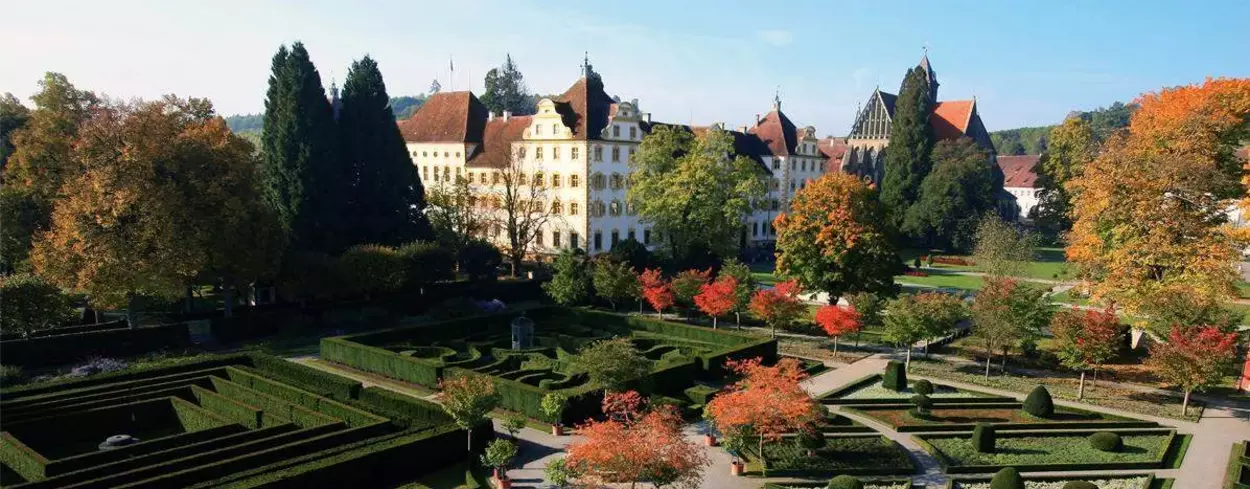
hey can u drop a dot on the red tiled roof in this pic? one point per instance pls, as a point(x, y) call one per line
point(950, 119)
point(833, 150)
point(776, 130)
point(446, 117)
point(497, 139)
point(585, 108)
point(1018, 170)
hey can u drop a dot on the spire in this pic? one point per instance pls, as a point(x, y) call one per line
point(777, 99)
point(335, 103)
point(929, 74)
point(586, 64)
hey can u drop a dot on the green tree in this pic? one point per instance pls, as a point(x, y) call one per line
point(480, 260)
point(41, 160)
point(13, 115)
point(1002, 250)
point(1006, 313)
point(571, 281)
point(426, 262)
point(372, 269)
point(905, 323)
point(694, 190)
point(304, 178)
point(405, 105)
point(835, 239)
point(387, 201)
point(747, 284)
point(1072, 144)
point(615, 281)
point(453, 215)
point(468, 399)
point(23, 214)
point(31, 304)
point(953, 197)
point(612, 363)
point(167, 198)
point(505, 90)
point(907, 161)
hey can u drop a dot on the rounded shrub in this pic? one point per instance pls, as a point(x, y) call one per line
point(845, 482)
point(1007, 478)
point(1106, 441)
point(1079, 485)
point(923, 406)
point(811, 438)
point(1039, 403)
point(895, 377)
point(984, 437)
point(923, 387)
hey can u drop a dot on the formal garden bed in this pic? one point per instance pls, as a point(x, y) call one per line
point(681, 356)
point(238, 420)
point(851, 454)
point(963, 417)
point(1052, 451)
point(1238, 474)
point(871, 390)
point(868, 484)
point(1101, 482)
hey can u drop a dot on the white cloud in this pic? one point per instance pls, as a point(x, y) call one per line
point(775, 37)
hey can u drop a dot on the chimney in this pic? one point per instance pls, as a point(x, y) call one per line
point(742, 129)
point(757, 119)
point(646, 117)
point(507, 114)
point(490, 115)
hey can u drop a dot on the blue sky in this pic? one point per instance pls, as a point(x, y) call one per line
point(1027, 62)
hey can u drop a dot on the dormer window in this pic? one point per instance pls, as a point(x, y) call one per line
point(555, 130)
point(538, 130)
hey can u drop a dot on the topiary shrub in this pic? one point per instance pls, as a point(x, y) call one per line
point(923, 406)
point(923, 387)
point(811, 439)
point(1039, 403)
point(1007, 478)
point(983, 437)
point(1106, 441)
point(845, 482)
point(895, 377)
point(1079, 485)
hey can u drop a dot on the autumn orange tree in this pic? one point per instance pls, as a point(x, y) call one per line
point(1194, 359)
point(633, 446)
point(1148, 210)
point(779, 306)
point(836, 322)
point(1087, 339)
point(717, 298)
point(768, 401)
point(656, 290)
point(834, 239)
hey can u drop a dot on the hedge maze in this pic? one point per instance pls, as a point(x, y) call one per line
point(236, 421)
point(682, 356)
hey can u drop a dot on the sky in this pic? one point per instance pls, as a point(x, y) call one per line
point(1027, 62)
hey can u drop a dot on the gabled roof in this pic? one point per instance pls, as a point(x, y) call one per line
point(833, 149)
point(1018, 170)
point(497, 139)
point(950, 120)
point(777, 132)
point(446, 117)
point(585, 108)
point(888, 99)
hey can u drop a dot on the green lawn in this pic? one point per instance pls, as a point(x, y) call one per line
point(952, 281)
point(1029, 450)
point(1049, 263)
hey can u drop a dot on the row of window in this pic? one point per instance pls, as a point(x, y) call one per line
point(767, 228)
point(801, 165)
point(574, 240)
point(426, 154)
point(597, 153)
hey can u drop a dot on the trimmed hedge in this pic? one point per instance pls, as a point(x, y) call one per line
point(195, 418)
point(352, 416)
point(895, 377)
point(98, 458)
point(273, 406)
point(1007, 478)
point(61, 386)
point(233, 410)
point(21, 458)
point(70, 348)
point(845, 482)
point(308, 378)
point(1106, 441)
point(952, 466)
point(1039, 403)
point(411, 412)
point(983, 437)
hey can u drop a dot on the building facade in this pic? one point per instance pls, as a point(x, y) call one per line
point(574, 154)
point(1020, 189)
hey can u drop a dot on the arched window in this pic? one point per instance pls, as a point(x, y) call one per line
point(629, 208)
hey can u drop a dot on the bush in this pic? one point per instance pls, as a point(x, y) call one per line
point(1007, 478)
point(1079, 485)
point(372, 269)
point(559, 472)
point(11, 375)
point(983, 437)
point(31, 304)
point(923, 387)
point(426, 263)
point(845, 482)
point(480, 260)
point(922, 404)
point(811, 438)
point(895, 376)
point(309, 275)
point(1039, 403)
point(1106, 441)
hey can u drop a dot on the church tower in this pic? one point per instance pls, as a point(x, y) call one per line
point(930, 76)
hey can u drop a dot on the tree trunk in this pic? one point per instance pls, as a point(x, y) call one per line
point(835, 348)
point(469, 440)
point(713, 322)
point(989, 357)
point(1094, 381)
point(1003, 370)
point(907, 364)
point(738, 319)
point(228, 307)
point(774, 330)
point(1185, 404)
point(189, 307)
point(1080, 387)
point(131, 315)
point(763, 461)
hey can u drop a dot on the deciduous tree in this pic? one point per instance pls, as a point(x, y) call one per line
point(656, 290)
point(468, 399)
point(1070, 146)
point(687, 284)
point(615, 281)
point(768, 401)
point(372, 269)
point(31, 304)
point(612, 363)
point(1194, 360)
point(1087, 339)
point(570, 283)
point(779, 306)
point(1002, 250)
point(453, 214)
point(717, 298)
point(1006, 312)
point(835, 239)
point(745, 288)
point(649, 448)
point(13, 115)
point(836, 322)
point(42, 159)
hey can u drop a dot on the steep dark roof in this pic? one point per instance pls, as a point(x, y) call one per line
point(1018, 170)
point(585, 108)
point(888, 100)
point(446, 117)
point(496, 147)
point(777, 132)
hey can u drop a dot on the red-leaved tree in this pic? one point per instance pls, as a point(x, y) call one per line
point(717, 298)
point(778, 306)
point(1086, 340)
point(656, 290)
point(1194, 358)
point(632, 447)
point(836, 322)
point(768, 401)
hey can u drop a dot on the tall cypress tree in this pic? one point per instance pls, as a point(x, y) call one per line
point(304, 179)
point(911, 141)
point(506, 90)
point(387, 199)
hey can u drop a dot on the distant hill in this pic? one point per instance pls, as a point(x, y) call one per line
point(244, 124)
point(1032, 140)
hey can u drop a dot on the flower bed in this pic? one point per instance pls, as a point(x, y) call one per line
point(1109, 483)
point(1143, 449)
point(852, 454)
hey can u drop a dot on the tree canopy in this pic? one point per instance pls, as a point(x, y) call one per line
point(506, 90)
point(907, 162)
point(953, 197)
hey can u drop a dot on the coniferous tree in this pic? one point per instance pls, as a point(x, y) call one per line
point(911, 140)
point(505, 90)
point(304, 179)
point(387, 199)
